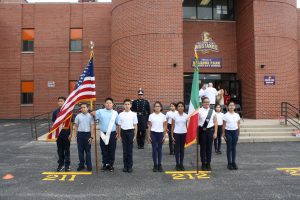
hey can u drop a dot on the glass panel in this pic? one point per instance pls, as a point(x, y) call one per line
point(189, 9)
point(27, 98)
point(204, 9)
point(76, 45)
point(76, 34)
point(27, 86)
point(28, 34)
point(223, 9)
point(28, 45)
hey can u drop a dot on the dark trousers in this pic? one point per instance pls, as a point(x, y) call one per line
point(231, 141)
point(206, 141)
point(84, 147)
point(179, 147)
point(63, 149)
point(127, 141)
point(141, 135)
point(218, 140)
point(171, 144)
point(156, 141)
point(108, 151)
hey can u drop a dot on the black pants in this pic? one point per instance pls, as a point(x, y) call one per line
point(206, 141)
point(108, 151)
point(127, 141)
point(179, 147)
point(171, 144)
point(141, 135)
point(84, 147)
point(218, 140)
point(63, 149)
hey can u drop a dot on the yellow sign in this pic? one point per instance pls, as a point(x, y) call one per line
point(295, 171)
point(207, 44)
point(188, 175)
point(63, 176)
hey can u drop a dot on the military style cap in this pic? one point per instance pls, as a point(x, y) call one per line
point(140, 92)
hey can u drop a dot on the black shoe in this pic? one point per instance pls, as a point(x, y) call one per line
point(125, 169)
point(182, 168)
point(178, 168)
point(129, 170)
point(154, 168)
point(103, 168)
point(80, 168)
point(230, 167)
point(89, 169)
point(234, 166)
point(142, 147)
point(60, 168)
point(219, 152)
point(111, 168)
point(203, 167)
point(208, 167)
point(139, 147)
point(159, 168)
point(67, 169)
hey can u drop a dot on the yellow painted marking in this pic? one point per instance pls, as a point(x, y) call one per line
point(293, 171)
point(69, 173)
point(189, 175)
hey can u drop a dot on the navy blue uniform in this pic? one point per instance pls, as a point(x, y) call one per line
point(142, 108)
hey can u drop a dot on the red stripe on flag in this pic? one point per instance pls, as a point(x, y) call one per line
point(192, 130)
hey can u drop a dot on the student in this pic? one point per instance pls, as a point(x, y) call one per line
point(179, 129)
point(127, 126)
point(218, 140)
point(63, 140)
point(170, 114)
point(231, 132)
point(208, 127)
point(83, 127)
point(158, 130)
point(108, 119)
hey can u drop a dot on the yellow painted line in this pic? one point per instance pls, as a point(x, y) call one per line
point(67, 173)
point(295, 168)
point(186, 172)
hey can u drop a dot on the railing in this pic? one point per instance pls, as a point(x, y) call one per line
point(40, 124)
point(291, 114)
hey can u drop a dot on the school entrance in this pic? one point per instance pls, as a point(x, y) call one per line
point(228, 81)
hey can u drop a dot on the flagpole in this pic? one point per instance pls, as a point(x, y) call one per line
point(197, 134)
point(91, 46)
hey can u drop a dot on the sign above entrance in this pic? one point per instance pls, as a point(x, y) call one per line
point(269, 80)
point(207, 44)
point(208, 62)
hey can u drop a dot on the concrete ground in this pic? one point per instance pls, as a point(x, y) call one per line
point(33, 164)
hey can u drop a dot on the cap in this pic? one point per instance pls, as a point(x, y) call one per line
point(140, 92)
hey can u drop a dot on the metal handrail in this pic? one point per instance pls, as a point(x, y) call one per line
point(290, 112)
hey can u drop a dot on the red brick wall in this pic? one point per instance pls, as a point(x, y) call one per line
point(51, 60)
point(222, 33)
point(298, 37)
point(146, 41)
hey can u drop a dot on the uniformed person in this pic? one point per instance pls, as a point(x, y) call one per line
point(142, 109)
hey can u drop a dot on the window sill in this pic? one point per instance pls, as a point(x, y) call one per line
point(75, 51)
point(209, 20)
point(26, 105)
point(27, 52)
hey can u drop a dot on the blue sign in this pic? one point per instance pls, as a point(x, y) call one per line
point(269, 80)
point(208, 62)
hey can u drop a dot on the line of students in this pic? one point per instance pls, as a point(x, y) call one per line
point(212, 126)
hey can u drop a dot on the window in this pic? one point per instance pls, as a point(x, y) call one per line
point(76, 40)
point(27, 40)
point(71, 86)
point(208, 9)
point(27, 92)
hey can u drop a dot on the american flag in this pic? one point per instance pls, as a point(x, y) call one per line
point(84, 90)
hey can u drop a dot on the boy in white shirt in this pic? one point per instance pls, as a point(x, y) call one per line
point(218, 140)
point(127, 126)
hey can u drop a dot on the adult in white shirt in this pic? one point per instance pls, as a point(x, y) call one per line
point(231, 132)
point(211, 93)
point(208, 126)
point(127, 126)
point(218, 140)
point(157, 124)
point(179, 129)
point(202, 92)
point(170, 115)
point(220, 97)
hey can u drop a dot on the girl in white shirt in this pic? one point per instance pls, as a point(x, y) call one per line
point(218, 140)
point(179, 129)
point(231, 132)
point(157, 124)
point(170, 114)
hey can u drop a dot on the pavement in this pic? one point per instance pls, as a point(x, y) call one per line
point(266, 171)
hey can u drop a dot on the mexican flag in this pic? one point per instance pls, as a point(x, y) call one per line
point(191, 135)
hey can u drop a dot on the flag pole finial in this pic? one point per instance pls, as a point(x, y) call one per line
point(91, 47)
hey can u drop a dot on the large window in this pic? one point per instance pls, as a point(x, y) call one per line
point(27, 92)
point(76, 39)
point(208, 9)
point(27, 40)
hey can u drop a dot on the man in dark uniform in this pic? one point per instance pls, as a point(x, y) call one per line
point(63, 140)
point(142, 109)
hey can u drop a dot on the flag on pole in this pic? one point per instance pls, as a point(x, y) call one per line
point(84, 90)
point(191, 135)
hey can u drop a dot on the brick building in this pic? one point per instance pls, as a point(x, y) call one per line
point(150, 45)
